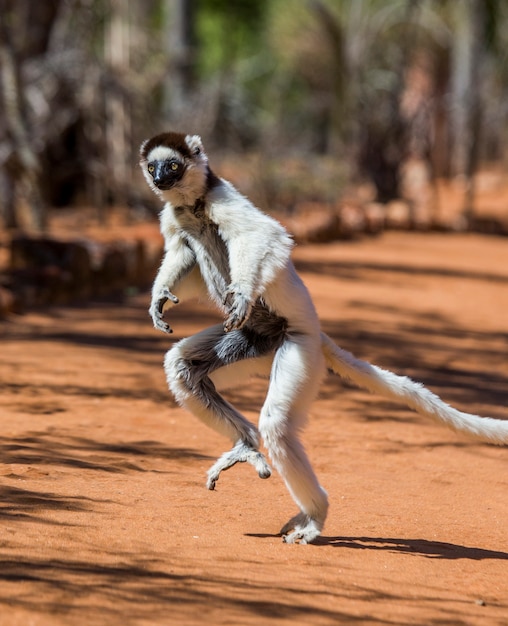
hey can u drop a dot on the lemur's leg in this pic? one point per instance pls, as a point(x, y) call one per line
point(297, 372)
point(189, 366)
point(239, 373)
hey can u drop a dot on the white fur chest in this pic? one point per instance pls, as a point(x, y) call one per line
point(201, 235)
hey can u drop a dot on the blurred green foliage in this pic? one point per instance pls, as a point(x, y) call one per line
point(363, 84)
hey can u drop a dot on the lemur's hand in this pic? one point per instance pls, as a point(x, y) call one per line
point(157, 309)
point(240, 308)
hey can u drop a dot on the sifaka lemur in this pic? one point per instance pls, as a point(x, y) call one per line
point(220, 246)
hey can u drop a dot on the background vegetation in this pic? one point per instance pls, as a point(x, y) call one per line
point(313, 94)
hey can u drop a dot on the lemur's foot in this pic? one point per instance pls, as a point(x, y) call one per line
point(302, 529)
point(240, 453)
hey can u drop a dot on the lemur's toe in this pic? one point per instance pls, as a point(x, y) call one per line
point(240, 453)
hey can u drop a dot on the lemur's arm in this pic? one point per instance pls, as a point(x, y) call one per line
point(258, 248)
point(177, 265)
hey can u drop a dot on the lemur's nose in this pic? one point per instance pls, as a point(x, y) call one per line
point(166, 174)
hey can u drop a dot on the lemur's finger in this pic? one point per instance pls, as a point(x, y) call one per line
point(230, 324)
point(234, 322)
point(171, 296)
point(167, 295)
point(160, 324)
point(227, 325)
point(160, 305)
point(166, 328)
point(228, 298)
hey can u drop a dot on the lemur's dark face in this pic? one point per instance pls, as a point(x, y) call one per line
point(165, 173)
point(172, 158)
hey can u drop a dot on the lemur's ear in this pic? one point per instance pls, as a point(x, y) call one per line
point(195, 144)
point(142, 148)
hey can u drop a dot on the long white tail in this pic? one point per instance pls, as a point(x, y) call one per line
point(411, 393)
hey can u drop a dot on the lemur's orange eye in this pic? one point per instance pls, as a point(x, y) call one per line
point(151, 168)
point(174, 166)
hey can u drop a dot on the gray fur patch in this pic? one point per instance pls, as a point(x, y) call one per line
point(261, 335)
point(192, 375)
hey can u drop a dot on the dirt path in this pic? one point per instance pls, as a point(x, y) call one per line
point(104, 517)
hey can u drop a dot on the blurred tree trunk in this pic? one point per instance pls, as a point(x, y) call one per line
point(118, 148)
point(180, 44)
point(475, 112)
point(385, 144)
point(468, 59)
point(21, 165)
point(335, 107)
point(461, 83)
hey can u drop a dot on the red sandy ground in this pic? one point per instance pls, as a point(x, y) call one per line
point(104, 515)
